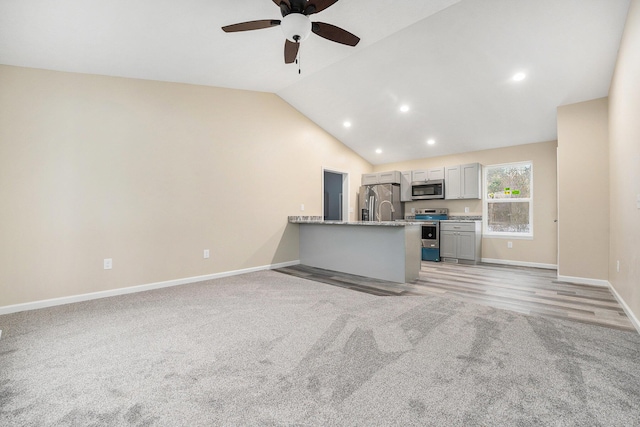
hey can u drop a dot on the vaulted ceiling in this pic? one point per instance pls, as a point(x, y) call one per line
point(450, 62)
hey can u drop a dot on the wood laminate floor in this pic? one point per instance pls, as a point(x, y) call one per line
point(522, 289)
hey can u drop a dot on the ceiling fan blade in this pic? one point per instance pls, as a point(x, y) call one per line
point(315, 6)
point(335, 34)
point(251, 25)
point(290, 51)
point(284, 5)
point(277, 2)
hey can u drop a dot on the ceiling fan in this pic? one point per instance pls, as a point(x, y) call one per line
point(297, 26)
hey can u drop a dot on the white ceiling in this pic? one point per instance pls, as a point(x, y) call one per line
point(450, 61)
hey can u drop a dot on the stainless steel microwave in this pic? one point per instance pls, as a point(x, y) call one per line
point(424, 190)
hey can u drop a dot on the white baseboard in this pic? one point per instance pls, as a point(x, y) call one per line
point(520, 263)
point(585, 281)
point(632, 317)
point(7, 309)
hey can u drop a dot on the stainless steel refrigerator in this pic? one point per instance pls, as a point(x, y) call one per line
point(380, 202)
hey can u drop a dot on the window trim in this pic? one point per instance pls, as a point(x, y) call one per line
point(486, 200)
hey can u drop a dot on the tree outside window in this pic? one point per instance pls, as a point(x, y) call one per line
point(508, 201)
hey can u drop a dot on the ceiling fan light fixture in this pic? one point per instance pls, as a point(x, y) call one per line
point(296, 27)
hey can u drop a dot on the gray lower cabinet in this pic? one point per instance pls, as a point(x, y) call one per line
point(461, 240)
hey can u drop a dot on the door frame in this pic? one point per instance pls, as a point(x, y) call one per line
point(345, 191)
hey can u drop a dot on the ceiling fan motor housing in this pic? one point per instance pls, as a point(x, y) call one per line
point(296, 27)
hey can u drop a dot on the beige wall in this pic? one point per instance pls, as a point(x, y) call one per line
point(542, 249)
point(624, 161)
point(583, 185)
point(149, 174)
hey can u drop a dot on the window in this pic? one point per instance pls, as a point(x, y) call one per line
point(508, 200)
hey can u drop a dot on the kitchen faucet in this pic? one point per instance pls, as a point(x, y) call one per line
point(380, 206)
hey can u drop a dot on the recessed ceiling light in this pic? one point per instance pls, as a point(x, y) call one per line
point(518, 77)
point(431, 141)
point(404, 108)
point(379, 151)
point(347, 124)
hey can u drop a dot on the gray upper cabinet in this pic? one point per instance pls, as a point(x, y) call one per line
point(463, 181)
point(452, 182)
point(405, 187)
point(391, 177)
point(369, 178)
point(427, 174)
point(419, 175)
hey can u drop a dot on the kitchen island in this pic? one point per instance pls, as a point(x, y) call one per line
point(388, 250)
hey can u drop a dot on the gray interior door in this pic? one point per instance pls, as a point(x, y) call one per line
point(332, 196)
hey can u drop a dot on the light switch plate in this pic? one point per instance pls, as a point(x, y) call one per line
point(206, 253)
point(108, 263)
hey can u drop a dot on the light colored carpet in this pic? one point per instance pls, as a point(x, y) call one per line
point(267, 349)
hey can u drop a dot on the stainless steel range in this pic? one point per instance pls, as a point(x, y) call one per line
point(430, 219)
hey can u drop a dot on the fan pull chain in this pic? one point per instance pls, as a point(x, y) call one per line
point(298, 61)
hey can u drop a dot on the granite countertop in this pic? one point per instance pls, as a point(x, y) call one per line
point(319, 220)
point(463, 219)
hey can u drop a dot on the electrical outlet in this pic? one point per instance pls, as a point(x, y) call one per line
point(302, 207)
point(466, 209)
point(108, 263)
point(206, 253)
point(510, 245)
